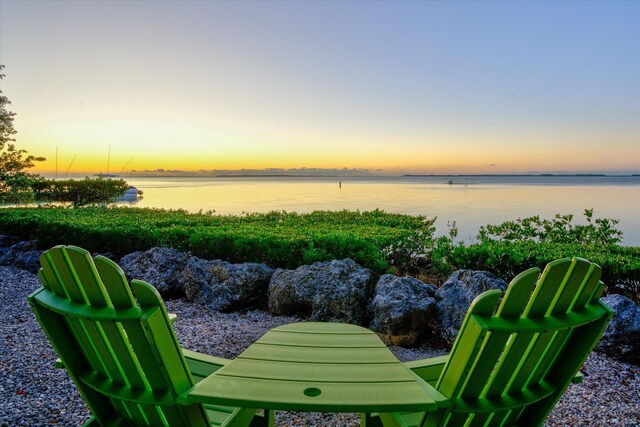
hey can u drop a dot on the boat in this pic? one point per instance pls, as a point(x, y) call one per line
point(131, 195)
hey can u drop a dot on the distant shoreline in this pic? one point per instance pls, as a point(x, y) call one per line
point(587, 175)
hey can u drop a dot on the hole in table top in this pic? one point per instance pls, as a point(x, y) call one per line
point(312, 392)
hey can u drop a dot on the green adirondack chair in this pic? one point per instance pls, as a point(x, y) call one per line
point(510, 368)
point(122, 355)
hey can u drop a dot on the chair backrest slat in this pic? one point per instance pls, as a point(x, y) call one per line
point(551, 279)
point(463, 356)
point(518, 294)
point(514, 303)
point(53, 282)
point(88, 276)
point(578, 274)
point(545, 327)
point(60, 264)
point(113, 347)
point(74, 355)
point(590, 292)
point(115, 283)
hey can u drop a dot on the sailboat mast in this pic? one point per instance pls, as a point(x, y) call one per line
point(108, 159)
point(69, 168)
point(126, 164)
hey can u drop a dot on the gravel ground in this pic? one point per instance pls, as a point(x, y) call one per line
point(34, 393)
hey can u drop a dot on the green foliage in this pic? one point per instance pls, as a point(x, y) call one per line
point(381, 241)
point(560, 230)
point(15, 181)
point(620, 265)
point(80, 192)
point(407, 253)
point(513, 246)
point(278, 238)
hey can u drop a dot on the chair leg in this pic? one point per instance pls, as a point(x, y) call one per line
point(91, 422)
point(370, 420)
point(240, 417)
point(264, 421)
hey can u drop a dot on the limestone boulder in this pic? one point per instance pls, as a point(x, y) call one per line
point(25, 245)
point(455, 296)
point(403, 310)
point(621, 339)
point(225, 287)
point(330, 291)
point(7, 241)
point(24, 255)
point(159, 267)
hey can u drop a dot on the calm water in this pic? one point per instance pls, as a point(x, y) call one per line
point(470, 201)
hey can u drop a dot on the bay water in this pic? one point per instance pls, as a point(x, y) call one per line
point(470, 201)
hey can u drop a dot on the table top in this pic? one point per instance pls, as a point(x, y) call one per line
point(318, 367)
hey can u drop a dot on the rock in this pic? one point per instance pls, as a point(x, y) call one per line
point(6, 241)
point(330, 291)
point(26, 260)
point(402, 310)
point(159, 267)
point(24, 255)
point(226, 287)
point(25, 245)
point(621, 339)
point(109, 255)
point(455, 296)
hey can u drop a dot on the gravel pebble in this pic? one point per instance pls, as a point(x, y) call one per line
point(34, 393)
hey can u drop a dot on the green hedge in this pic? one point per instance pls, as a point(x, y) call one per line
point(513, 246)
point(279, 239)
point(620, 265)
point(381, 241)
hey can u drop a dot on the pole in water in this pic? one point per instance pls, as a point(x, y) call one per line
point(339, 184)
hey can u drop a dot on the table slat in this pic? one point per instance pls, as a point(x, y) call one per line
point(324, 372)
point(334, 397)
point(323, 328)
point(315, 367)
point(324, 340)
point(318, 355)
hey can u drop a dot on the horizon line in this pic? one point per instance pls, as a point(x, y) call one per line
point(155, 174)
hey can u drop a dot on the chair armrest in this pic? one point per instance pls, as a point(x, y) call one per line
point(428, 369)
point(202, 365)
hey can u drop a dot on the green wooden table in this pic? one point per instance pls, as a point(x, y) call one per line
point(318, 367)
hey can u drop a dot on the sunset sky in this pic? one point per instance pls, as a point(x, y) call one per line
point(394, 87)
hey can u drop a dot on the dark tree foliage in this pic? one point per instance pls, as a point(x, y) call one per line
point(15, 181)
point(80, 192)
point(19, 186)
